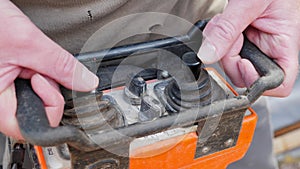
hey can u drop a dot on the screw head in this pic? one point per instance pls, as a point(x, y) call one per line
point(229, 142)
point(165, 74)
point(205, 149)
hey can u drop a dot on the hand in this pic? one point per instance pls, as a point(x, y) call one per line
point(272, 25)
point(27, 53)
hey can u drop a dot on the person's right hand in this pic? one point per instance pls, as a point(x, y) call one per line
point(27, 53)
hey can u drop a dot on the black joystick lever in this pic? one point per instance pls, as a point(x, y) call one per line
point(190, 91)
point(191, 60)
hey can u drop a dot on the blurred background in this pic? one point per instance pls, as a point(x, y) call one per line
point(285, 118)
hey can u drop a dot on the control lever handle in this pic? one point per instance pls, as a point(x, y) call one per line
point(34, 124)
point(271, 74)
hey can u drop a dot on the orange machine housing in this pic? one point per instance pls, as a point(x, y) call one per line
point(179, 152)
point(182, 156)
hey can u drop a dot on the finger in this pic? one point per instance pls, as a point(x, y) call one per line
point(291, 70)
point(40, 53)
point(26, 73)
point(52, 99)
point(224, 29)
point(63, 68)
point(284, 52)
point(248, 73)
point(230, 63)
point(8, 107)
point(52, 83)
point(230, 66)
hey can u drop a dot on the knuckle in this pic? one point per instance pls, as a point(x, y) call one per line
point(65, 64)
point(285, 94)
point(286, 89)
point(59, 102)
point(282, 94)
point(238, 83)
point(225, 29)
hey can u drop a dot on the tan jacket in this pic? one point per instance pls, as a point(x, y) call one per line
point(72, 22)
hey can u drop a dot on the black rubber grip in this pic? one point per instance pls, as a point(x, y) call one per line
point(34, 124)
point(271, 74)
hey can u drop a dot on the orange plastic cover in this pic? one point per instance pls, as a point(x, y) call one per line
point(179, 152)
point(182, 154)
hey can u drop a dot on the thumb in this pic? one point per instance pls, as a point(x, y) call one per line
point(41, 54)
point(55, 62)
point(224, 29)
point(8, 106)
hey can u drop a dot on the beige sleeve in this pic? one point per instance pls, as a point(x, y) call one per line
point(72, 23)
point(194, 10)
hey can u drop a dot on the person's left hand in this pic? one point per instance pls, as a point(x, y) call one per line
point(272, 25)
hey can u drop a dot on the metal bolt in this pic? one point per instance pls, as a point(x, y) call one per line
point(205, 150)
point(93, 91)
point(229, 142)
point(107, 165)
point(165, 74)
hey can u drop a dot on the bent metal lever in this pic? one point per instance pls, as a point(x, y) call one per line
point(36, 130)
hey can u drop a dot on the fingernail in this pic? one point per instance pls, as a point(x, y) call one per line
point(85, 80)
point(90, 78)
point(207, 53)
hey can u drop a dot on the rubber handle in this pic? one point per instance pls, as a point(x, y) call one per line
point(34, 124)
point(271, 74)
